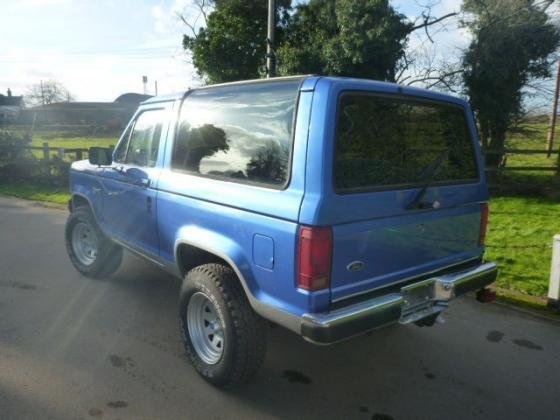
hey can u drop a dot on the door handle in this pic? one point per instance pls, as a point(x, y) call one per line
point(149, 204)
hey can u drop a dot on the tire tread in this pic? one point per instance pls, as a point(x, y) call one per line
point(249, 329)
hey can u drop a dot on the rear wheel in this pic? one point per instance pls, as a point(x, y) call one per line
point(224, 338)
point(90, 251)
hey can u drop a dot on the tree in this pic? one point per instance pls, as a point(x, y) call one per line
point(231, 46)
point(47, 92)
point(361, 38)
point(269, 163)
point(197, 143)
point(512, 43)
point(345, 38)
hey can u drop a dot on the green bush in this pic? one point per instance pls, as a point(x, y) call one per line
point(18, 165)
point(11, 146)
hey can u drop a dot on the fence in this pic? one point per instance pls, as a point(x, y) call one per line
point(61, 152)
point(555, 168)
point(78, 153)
point(47, 165)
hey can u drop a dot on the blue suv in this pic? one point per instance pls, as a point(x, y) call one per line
point(330, 206)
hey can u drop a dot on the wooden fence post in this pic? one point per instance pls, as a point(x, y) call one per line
point(61, 153)
point(46, 152)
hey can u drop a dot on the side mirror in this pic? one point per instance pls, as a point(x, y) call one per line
point(100, 156)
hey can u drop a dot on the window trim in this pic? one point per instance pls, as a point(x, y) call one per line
point(132, 125)
point(277, 187)
point(125, 138)
point(410, 185)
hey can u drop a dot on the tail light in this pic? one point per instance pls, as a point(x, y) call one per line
point(483, 223)
point(314, 257)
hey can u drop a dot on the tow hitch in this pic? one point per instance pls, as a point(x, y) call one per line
point(486, 295)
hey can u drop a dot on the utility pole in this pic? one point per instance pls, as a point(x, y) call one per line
point(145, 83)
point(551, 129)
point(42, 94)
point(270, 57)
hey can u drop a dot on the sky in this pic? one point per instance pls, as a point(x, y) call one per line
point(99, 49)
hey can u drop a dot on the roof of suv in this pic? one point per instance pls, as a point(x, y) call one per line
point(179, 95)
point(376, 85)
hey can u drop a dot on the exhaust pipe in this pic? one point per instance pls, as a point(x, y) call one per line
point(486, 295)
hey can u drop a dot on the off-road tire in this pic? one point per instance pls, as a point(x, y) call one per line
point(245, 332)
point(109, 255)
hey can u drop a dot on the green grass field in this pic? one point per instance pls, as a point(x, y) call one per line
point(519, 239)
point(71, 143)
point(524, 215)
point(74, 142)
point(67, 140)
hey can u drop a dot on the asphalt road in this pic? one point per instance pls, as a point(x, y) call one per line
point(74, 348)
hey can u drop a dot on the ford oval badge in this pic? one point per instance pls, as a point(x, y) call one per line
point(355, 266)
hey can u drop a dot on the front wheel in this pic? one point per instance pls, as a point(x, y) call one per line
point(224, 338)
point(90, 251)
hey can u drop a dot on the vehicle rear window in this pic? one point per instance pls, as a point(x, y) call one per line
point(240, 132)
point(384, 142)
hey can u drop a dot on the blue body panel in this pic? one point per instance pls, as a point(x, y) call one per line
point(255, 228)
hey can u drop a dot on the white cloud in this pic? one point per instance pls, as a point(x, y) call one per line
point(131, 39)
point(160, 19)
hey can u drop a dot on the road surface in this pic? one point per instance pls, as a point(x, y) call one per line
point(74, 348)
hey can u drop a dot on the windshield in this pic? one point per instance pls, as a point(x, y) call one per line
point(384, 141)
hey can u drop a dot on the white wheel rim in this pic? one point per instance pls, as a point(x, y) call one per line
point(84, 243)
point(206, 330)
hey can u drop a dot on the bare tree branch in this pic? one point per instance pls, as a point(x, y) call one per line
point(434, 77)
point(427, 22)
point(202, 7)
point(184, 20)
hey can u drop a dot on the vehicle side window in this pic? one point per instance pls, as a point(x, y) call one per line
point(239, 133)
point(143, 145)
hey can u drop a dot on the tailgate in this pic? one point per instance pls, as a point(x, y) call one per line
point(408, 190)
point(376, 253)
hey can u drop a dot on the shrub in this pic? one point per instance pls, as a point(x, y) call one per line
point(11, 146)
point(19, 165)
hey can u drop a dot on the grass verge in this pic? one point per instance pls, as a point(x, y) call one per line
point(524, 216)
point(519, 240)
point(36, 192)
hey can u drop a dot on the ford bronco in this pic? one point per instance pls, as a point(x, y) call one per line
point(330, 206)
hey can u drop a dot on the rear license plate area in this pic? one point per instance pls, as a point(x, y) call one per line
point(417, 299)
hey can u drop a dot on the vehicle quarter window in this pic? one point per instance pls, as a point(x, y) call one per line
point(241, 133)
point(144, 139)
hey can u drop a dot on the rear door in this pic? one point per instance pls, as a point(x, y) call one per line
point(406, 187)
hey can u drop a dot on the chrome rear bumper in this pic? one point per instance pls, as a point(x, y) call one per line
point(414, 302)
